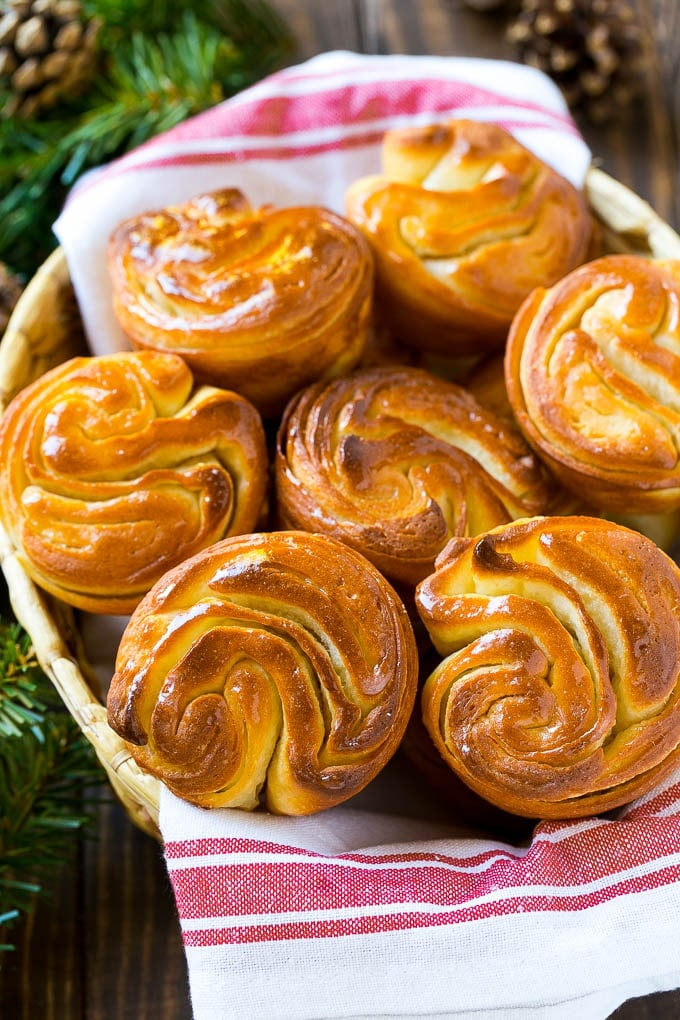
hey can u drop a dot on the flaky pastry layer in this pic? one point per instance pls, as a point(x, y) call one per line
point(116, 467)
point(275, 667)
point(395, 461)
point(260, 300)
point(464, 222)
point(558, 693)
point(592, 370)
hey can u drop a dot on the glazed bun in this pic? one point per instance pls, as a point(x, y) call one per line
point(593, 376)
point(464, 222)
point(259, 300)
point(558, 693)
point(116, 467)
point(277, 667)
point(395, 461)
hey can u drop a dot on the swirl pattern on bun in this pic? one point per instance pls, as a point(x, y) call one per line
point(259, 300)
point(558, 694)
point(116, 467)
point(593, 376)
point(396, 461)
point(277, 667)
point(464, 222)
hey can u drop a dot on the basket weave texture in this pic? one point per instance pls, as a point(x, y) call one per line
point(45, 330)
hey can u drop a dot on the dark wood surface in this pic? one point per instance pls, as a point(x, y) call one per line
point(107, 945)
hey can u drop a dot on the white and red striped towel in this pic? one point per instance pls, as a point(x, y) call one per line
point(373, 909)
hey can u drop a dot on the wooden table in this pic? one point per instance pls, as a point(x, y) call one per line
point(107, 946)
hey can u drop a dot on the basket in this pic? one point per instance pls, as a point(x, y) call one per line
point(45, 330)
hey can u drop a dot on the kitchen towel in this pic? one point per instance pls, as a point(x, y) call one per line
point(383, 907)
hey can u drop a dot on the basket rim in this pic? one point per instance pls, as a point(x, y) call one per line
point(616, 206)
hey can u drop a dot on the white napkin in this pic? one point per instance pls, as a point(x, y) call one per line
point(379, 908)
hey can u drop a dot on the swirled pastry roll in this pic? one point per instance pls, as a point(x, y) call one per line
point(114, 468)
point(464, 222)
point(278, 668)
point(559, 692)
point(593, 376)
point(487, 384)
point(259, 300)
point(395, 461)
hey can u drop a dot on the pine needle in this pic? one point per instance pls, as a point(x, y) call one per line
point(24, 694)
point(48, 772)
point(159, 63)
point(158, 66)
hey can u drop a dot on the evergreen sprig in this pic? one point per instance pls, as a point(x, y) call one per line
point(158, 64)
point(156, 84)
point(24, 697)
point(47, 774)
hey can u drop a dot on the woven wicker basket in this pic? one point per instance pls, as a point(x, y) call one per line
point(44, 330)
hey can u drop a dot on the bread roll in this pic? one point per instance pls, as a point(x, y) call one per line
point(558, 694)
point(395, 461)
point(277, 667)
point(259, 300)
point(487, 384)
point(464, 222)
point(114, 468)
point(593, 376)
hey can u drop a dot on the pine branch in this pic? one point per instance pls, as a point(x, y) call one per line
point(5, 919)
point(47, 774)
point(25, 692)
point(237, 18)
point(43, 778)
point(149, 80)
point(151, 75)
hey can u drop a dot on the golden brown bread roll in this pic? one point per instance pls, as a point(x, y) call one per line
point(487, 384)
point(559, 692)
point(394, 461)
point(593, 376)
point(464, 222)
point(278, 666)
point(259, 300)
point(114, 468)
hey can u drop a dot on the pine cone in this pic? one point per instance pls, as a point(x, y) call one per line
point(47, 51)
point(11, 289)
point(592, 49)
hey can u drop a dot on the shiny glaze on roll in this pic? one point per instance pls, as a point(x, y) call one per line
point(114, 468)
point(593, 376)
point(558, 693)
point(464, 222)
point(395, 461)
point(275, 668)
point(259, 300)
